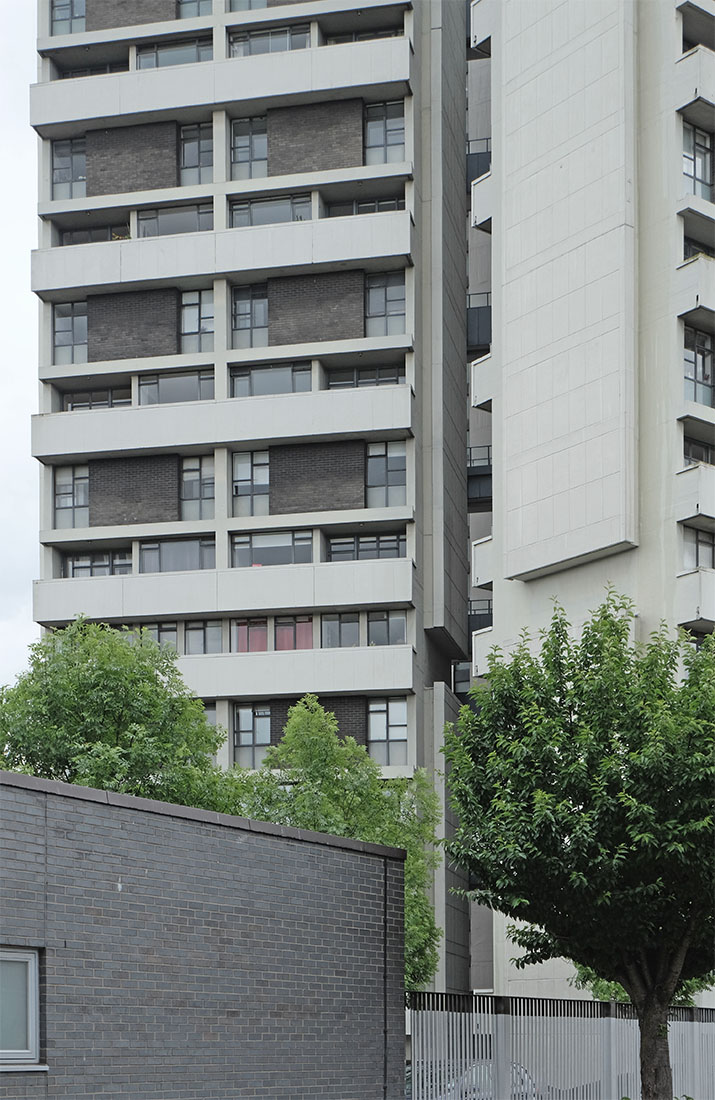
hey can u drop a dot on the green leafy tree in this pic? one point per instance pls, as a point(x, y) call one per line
point(585, 788)
point(316, 780)
point(602, 990)
point(108, 709)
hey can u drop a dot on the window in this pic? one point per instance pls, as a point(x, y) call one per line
point(363, 206)
point(344, 378)
point(19, 998)
point(694, 248)
point(197, 321)
point(69, 169)
point(175, 219)
point(281, 548)
point(386, 474)
point(210, 711)
point(249, 316)
point(385, 132)
point(260, 381)
point(250, 483)
point(387, 730)
point(202, 636)
point(699, 548)
point(249, 635)
point(385, 304)
point(273, 40)
point(366, 547)
point(116, 398)
point(70, 333)
point(340, 631)
point(197, 487)
point(161, 633)
point(174, 53)
point(165, 389)
point(189, 9)
point(67, 16)
point(95, 70)
point(174, 555)
point(697, 451)
point(249, 148)
point(698, 161)
point(294, 632)
point(94, 234)
point(251, 734)
point(287, 208)
point(386, 628)
point(247, 5)
point(196, 163)
point(112, 563)
point(363, 36)
point(698, 367)
point(71, 496)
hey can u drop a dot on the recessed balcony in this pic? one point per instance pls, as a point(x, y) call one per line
point(292, 248)
point(479, 323)
point(483, 18)
point(377, 70)
point(479, 478)
point(213, 592)
point(695, 87)
point(695, 600)
point(480, 615)
point(335, 671)
point(479, 158)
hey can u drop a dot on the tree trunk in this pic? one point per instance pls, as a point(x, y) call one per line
point(656, 1074)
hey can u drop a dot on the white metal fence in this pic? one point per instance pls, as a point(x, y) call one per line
point(530, 1048)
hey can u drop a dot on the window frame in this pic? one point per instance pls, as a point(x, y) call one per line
point(245, 542)
point(256, 490)
point(207, 6)
point(77, 168)
point(344, 621)
point(204, 145)
point(699, 160)
point(205, 482)
point(388, 618)
point(708, 449)
point(206, 630)
point(95, 400)
point(292, 624)
point(384, 115)
point(204, 379)
point(149, 221)
point(698, 347)
point(159, 49)
point(349, 378)
point(29, 1055)
point(381, 316)
point(386, 474)
point(361, 546)
point(299, 371)
point(256, 629)
point(79, 347)
point(700, 546)
point(383, 705)
point(118, 564)
point(257, 748)
point(295, 35)
point(256, 295)
point(295, 205)
point(201, 337)
point(78, 496)
point(76, 14)
point(257, 134)
point(206, 545)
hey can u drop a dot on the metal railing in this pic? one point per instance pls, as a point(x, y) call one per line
point(479, 145)
point(476, 301)
point(480, 455)
point(468, 1047)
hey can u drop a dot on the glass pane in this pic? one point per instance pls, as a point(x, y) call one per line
point(398, 752)
point(14, 992)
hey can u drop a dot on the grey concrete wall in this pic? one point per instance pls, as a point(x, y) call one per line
point(134, 490)
point(132, 158)
point(125, 13)
point(315, 136)
point(349, 710)
point(188, 955)
point(133, 325)
point(302, 308)
point(315, 477)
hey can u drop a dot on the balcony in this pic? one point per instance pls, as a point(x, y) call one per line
point(479, 478)
point(695, 600)
point(695, 495)
point(482, 563)
point(483, 200)
point(480, 615)
point(380, 412)
point(483, 19)
point(479, 159)
point(694, 297)
point(335, 671)
point(377, 70)
point(483, 382)
point(219, 592)
point(695, 87)
point(291, 248)
point(479, 322)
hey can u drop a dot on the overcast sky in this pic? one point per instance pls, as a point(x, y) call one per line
point(18, 486)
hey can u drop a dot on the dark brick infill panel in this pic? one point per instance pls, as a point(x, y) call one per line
point(317, 477)
point(132, 158)
point(102, 14)
point(350, 712)
point(315, 136)
point(134, 490)
point(305, 308)
point(132, 325)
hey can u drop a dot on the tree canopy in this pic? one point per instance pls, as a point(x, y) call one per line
point(109, 709)
point(584, 782)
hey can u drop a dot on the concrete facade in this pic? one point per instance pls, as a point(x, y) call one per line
point(187, 955)
point(335, 358)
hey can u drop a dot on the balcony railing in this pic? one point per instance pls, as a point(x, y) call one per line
point(479, 158)
point(479, 456)
point(479, 320)
point(480, 614)
point(479, 478)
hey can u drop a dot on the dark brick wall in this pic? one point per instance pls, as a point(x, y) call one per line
point(132, 158)
point(349, 710)
point(133, 325)
point(315, 477)
point(315, 136)
point(192, 956)
point(303, 308)
point(134, 490)
point(126, 13)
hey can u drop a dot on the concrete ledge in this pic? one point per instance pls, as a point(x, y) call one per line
point(190, 813)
